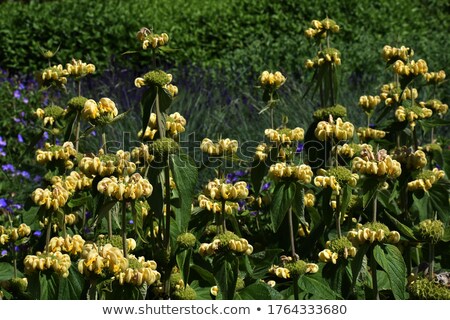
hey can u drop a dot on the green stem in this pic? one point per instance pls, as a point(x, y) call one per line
point(338, 216)
point(92, 292)
point(77, 130)
point(167, 204)
point(295, 284)
point(373, 269)
point(110, 229)
point(48, 234)
point(374, 207)
point(124, 230)
point(222, 217)
point(431, 258)
point(291, 234)
point(104, 141)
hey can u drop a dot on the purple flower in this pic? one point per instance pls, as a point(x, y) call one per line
point(131, 221)
point(300, 147)
point(94, 133)
point(21, 86)
point(20, 138)
point(3, 203)
point(265, 186)
point(2, 142)
point(25, 174)
point(37, 233)
point(37, 178)
point(8, 167)
point(25, 100)
point(3, 253)
point(17, 94)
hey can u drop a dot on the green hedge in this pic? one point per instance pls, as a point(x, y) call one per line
point(235, 36)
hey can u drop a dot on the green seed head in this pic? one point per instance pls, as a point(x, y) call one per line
point(336, 111)
point(225, 238)
point(186, 240)
point(296, 268)
point(431, 230)
point(339, 245)
point(163, 147)
point(157, 78)
point(185, 294)
point(428, 290)
point(54, 111)
point(76, 103)
point(375, 226)
point(342, 174)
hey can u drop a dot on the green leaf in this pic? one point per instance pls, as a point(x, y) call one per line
point(391, 260)
point(6, 271)
point(404, 230)
point(357, 262)
point(185, 176)
point(421, 204)
point(298, 203)
point(316, 286)
point(147, 102)
point(79, 201)
point(226, 270)
point(346, 196)
point(43, 286)
point(257, 174)
point(202, 293)
point(204, 274)
point(184, 263)
point(431, 123)
point(259, 291)
point(439, 198)
point(283, 196)
point(71, 288)
point(138, 218)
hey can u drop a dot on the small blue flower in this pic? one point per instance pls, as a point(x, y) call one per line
point(25, 100)
point(20, 138)
point(94, 133)
point(25, 174)
point(17, 94)
point(37, 233)
point(300, 147)
point(21, 86)
point(131, 221)
point(3, 203)
point(3, 253)
point(8, 167)
point(2, 142)
point(265, 186)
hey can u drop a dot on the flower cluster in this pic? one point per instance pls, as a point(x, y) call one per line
point(410, 69)
point(335, 111)
point(65, 153)
point(50, 114)
point(75, 181)
point(175, 124)
point(326, 56)
point(106, 165)
point(216, 206)
point(382, 165)
point(309, 199)
point(426, 179)
point(54, 75)
point(13, 234)
point(435, 77)
point(261, 152)
point(148, 38)
point(371, 232)
point(392, 93)
point(412, 160)
point(412, 112)
point(352, 149)
point(59, 262)
point(435, 105)
point(51, 198)
point(222, 147)
point(393, 54)
point(125, 188)
point(281, 170)
point(337, 248)
point(227, 241)
point(102, 112)
point(335, 178)
point(78, 68)
point(320, 29)
point(219, 190)
point(138, 272)
point(367, 133)
point(327, 130)
point(271, 81)
point(285, 135)
point(72, 245)
point(368, 103)
point(291, 268)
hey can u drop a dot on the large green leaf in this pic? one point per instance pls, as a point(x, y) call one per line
point(357, 262)
point(6, 271)
point(138, 218)
point(298, 203)
point(226, 269)
point(439, 198)
point(259, 291)
point(185, 176)
point(282, 199)
point(391, 260)
point(71, 288)
point(204, 274)
point(316, 286)
point(43, 286)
